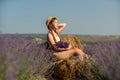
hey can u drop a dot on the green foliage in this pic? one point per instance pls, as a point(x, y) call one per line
point(96, 73)
point(3, 67)
point(24, 74)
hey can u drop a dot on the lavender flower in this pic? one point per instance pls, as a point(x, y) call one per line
point(107, 57)
point(61, 44)
point(23, 54)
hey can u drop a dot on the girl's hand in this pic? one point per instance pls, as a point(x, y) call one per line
point(60, 27)
point(69, 47)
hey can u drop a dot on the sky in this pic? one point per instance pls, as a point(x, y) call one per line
point(84, 17)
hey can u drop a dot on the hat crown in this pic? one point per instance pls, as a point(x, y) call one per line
point(49, 20)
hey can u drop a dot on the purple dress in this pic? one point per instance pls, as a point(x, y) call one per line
point(61, 44)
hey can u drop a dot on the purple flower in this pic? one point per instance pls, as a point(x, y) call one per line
point(107, 57)
point(61, 44)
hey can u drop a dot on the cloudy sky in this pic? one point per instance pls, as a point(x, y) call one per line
point(87, 17)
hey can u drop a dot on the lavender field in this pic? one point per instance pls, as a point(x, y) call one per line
point(24, 58)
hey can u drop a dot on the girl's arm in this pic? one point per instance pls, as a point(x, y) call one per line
point(61, 26)
point(62, 49)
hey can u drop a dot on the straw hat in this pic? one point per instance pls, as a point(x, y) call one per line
point(49, 20)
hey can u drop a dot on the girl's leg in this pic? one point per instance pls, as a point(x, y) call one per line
point(78, 52)
point(65, 54)
point(69, 53)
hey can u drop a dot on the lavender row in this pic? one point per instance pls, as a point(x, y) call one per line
point(107, 57)
point(19, 55)
point(22, 54)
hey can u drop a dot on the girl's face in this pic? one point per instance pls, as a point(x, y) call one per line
point(55, 23)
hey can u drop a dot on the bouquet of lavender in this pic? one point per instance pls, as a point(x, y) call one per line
point(61, 44)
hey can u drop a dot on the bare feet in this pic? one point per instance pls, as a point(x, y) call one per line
point(87, 57)
point(81, 58)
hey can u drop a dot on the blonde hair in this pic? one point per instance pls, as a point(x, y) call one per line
point(50, 20)
point(49, 23)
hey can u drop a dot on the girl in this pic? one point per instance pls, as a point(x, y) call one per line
point(62, 50)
